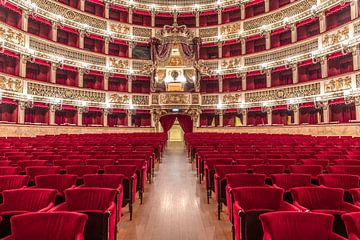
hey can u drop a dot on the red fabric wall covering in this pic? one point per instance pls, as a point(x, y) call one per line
point(95, 7)
point(118, 14)
point(141, 120)
point(209, 86)
point(92, 118)
point(282, 116)
point(280, 78)
point(210, 19)
point(37, 115)
point(140, 86)
point(310, 115)
point(68, 36)
point(230, 15)
point(308, 28)
point(67, 77)
point(338, 17)
point(342, 113)
point(309, 72)
point(231, 50)
point(255, 118)
point(255, 82)
point(252, 10)
point(160, 21)
point(189, 21)
point(209, 119)
point(10, 15)
point(8, 112)
point(71, 3)
point(210, 52)
point(340, 65)
point(231, 84)
point(276, 4)
point(39, 28)
point(256, 45)
point(118, 84)
point(66, 116)
point(142, 19)
point(118, 50)
point(36, 71)
point(280, 39)
point(117, 119)
point(9, 64)
point(94, 45)
point(94, 81)
point(229, 119)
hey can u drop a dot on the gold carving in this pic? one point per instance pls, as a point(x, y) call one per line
point(231, 99)
point(140, 99)
point(210, 99)
point(120, 28)
point(11, 84)
point(337, 37)
point(231, 63)
point(11, 35)
point(119, 63)
point(119, 99)
point(195, 99)
point(230, 29)
point(175, 99)
point(338, 84)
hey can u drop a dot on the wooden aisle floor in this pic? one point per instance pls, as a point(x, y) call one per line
point(175, 205)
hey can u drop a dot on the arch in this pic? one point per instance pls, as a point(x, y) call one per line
point(185, 121)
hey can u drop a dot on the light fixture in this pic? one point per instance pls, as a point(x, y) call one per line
point(219, 106)
point(131, 107)
point(218, 2)
point(175, 110)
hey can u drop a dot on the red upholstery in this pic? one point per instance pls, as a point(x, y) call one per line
point(113, 181)
point(347, 162)
point(249, 203)
point(298, 226)
point(98, 204)
point(268, 169)
point(80, 171)
point(41, 170)
point(355, 193)
point(313, 170)
point(48, 226)
point(323, 163)
point(99, 162)
point(9, 171)
point(56, 181)
point(354, 170)
point(288, 181)
point(352, 223)
point(344, 181)
point(28, 163)
point(64, 163)
point(9, 182)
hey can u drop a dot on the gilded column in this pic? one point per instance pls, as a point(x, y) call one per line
point(267, 5)
point(220, 44)
point(105, 118)
point(219, 15)
point(242, 11)
point(244, 117)
point(268, 77)
point(197, 18)
point(243, 82)
point(82, 5)
point(153, 14)
point(106, 45)
point(325, 107)
point(22, 67)
point(24, 21)
point(269, 115)
point(81, 77)
point(267, 40)
point(322, 20)
point(129, 118)
point(293, 33)
point(107, 9)
point(52, 114)
point(130, 79)
point(220, 79)
point(21, 112)
point(79, 116)
point(295, 109)
point(54, 26)
point(53, 72)
point(106, 81)
point(295, 73)
point(324, 67)
point(130, 15)
point(81, 39)
point(354, 9)
point(221, 118)
point(243, 46)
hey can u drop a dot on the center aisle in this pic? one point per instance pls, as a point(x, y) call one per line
point(174, 205)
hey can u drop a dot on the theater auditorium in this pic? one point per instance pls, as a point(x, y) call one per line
point(179, 120)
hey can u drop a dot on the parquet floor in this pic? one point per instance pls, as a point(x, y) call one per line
point(175, 205)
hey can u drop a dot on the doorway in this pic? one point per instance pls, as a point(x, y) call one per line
point(176, 134)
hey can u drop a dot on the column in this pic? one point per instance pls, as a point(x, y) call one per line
point(219, 10)
point(52, 114)
point(130, 15)
point(243, 82)
point(244, 117)
point(24, 21)
point(22, 67)
point(242, 11)
point(107, 9)
point(326, 112)
point(130, 79)
point(267, 40)
point(295, 109)
point(220, 78)
point(355, 59)
point(129, 118)
point(54, 31)
point(322, 20)
point(153, 14)
point(106, 81)
point(324, 67)
point(79, 116)
point(269, 116)
point(82, 5)
point(293, 33)
point(105, 118)
point(221, 119)
point(81, 39)
point(106, 45)
point(357, 109)
point(268, 77)
point(243, 46)
point(53, 72)
point(131, 46)
point(219, 44)
point(81, 77)
point(197, 18)
point(21, 112)
point(267, 5)
point(354, 9)
point(295, 73)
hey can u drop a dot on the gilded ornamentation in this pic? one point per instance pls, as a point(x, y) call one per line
point(142, 32)
point(284, 93)
point(231, 98)
point(231, 63)
point(119, 63)
point(155, 99)
point(175, 99)
point(195, 99)
point(208, 32)
point(336, 37)
point(11, 35)
point(230, 29)
point(120, 28)
point(210, 99)
point(11, 84)
point(140, 100)
point(338, 84)
point(53, 91)
point(119, 99)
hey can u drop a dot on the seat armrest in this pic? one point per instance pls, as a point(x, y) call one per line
point(334, 236)
point(60, 207)
point(285, 206)
point(46, 209)
point(349, 207)
point(267, 236)
point(112, 208)
point(303, 209)
point(8, 238)
point(237, 208)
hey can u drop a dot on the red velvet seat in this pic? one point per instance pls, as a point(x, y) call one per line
point(288, 181)
point(323, 163)
point(9, 171)
point(347, 162)
point(268, 169)
point(100, 162)
point(80, 171)
point(324, 200)
point(345, 169)
point(313, 170)
point(355, 193)
point(56, 181)
point(32, 172)
point(9, 182)
point(352, 223)
point(21, 201)
point(29, 163)
point(129, 183)
point(249, 203)
point(285, 162)
point(298, 226)
point(220, 181)
point(99, 205)
point(344, 181)
point(113, 181)
point(4, 163)
point(249, 162)
point(64, 163)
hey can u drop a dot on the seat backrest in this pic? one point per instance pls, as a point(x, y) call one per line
point(285, 162)
point(103, 180)
point(89, 198)
point(64, 163)
point(136, 162)
point(287, 181)
point(347, 162)
point(268, 169)
point(28, 199)
point(211, 163)
point(9, 182)
point(99, 162)
point(41, 170)
point(352, 223)
point(28, 163)
point(345, 181)
point(249, 162)
point(59, 182)
point(314, 170)
point(9, 171)
point(296, 225)
point(318, 197)
point(355, 193)
point(127, 170)
point(346, 169)
point(222, 170)
point(48, 226)
point(252, 198)
point(323, 163)
point(244, 180)
point(82, 170)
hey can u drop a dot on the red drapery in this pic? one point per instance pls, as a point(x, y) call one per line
point(185, 122)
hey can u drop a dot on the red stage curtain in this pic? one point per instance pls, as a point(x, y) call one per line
point(92, 118)
point(209, 52)
point(66, 77)
point(117, 119)
point(185, 122)
point(208, 19)
point(120, 50)
point(94, 44)
point(187, 19)
point(141, 86)
point(37, 115)
point(94, 8)
point(39, 28)
point(280, 39)
point(167, 122)
point(280, 78)
point(9, 64)
point(255, 82)
point(209, 86)
point(255, 45)
point(94, 81)
point(231, 15)
point(338, 16)
point(309, 115)
point(309, 72)
point(281, 116)
point(38, 70)
point(118, 84)
point(256, 118)
point(143, 19)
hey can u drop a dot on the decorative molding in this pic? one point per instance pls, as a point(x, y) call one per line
point(336, 37)
point(12, 84)
point(338, 84)
point(175, 99)
point(210, 99)
point(231, 98)
point(12, 35)
point(141, 100)
point(118, 98)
